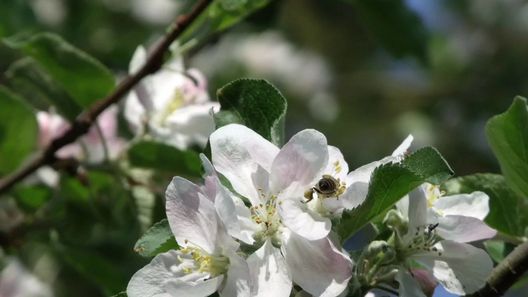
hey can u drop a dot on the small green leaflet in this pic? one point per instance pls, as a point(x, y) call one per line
point(391, 182)
point(157, 239)
point(508, 136)
point(254, 103)
point(84, 78)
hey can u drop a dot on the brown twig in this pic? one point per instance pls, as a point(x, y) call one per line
point(83, 122)
point(506, 273)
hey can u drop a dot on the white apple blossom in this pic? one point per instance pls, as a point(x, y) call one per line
point(294, 243)
point(354, 184)
point(435, 235)
point(171, 105)
point(102, 140)
point(207, 260)
point(17, 281)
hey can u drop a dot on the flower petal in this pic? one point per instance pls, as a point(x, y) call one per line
point(459, 267)
point(463, 229)
point(403, 147)
point(337, 166)
point(159, 279)
point(301, 220)
point(237, 280)
point(237, 153)
point(409, 287)
point(191, 216)
point(474, 205)
point(269, 273)
point(299, 164)
point(417, 212)
point(193, 123)
point(317, 266)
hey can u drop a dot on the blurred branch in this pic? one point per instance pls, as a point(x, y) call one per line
point(84, 121)
point(506, 273)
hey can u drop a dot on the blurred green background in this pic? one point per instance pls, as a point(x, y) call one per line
point(364, 72)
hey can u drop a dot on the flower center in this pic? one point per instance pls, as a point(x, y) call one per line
point(196, 260)
point(423, 240)
point(176, 102)
point(267, 217)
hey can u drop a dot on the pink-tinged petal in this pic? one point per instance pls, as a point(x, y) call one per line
point(474, 205)
point(317, 266)
point(409, 287)
point(297, 217)
point(461, 268)
point(463, 229)
point(299, 164)
point(237, 281)
point(269, 272)
point(425, 279)
point(336, 166)
point(191, 216)
point(235, 216)
point(403, 148)
point(163, 277)
point(237, 154)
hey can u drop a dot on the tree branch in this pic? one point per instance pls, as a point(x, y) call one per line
point(83, 122)
point(506, 273)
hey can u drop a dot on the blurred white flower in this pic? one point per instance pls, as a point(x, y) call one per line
point(294, 242)
point(171, 105)
point(16, 281)
point(207, 260)
point(101, 139)
point(270, 56)
point(435, 237)
point(157, 12)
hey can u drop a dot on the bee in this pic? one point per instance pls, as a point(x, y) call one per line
point(326, 187)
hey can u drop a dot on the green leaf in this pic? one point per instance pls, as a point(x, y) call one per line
point(227, 13)
point(508, 136)
point(38, 88)
point(394, 25)
point(18, 131)
point(496, 249)
point(94, 267)
point(120, 294)
point(507, 209)
point(390, 182)
point(155, 155)
point(254, 103)
point(84, 78)
point(221, 15)
point(157, 239)
point(32, 198)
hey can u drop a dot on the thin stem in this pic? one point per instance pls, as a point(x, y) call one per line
point(83, 122)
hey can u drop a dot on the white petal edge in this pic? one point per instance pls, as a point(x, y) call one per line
point(474, 205)
point(191, 216)
point(299, 164)
point(297, 217)
point(317, 266)
point(237, 151)
point(269, 273)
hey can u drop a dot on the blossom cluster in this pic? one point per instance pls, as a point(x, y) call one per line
point(263, 222)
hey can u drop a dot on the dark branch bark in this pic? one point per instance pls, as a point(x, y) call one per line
point(506, 273)
point(84, 121)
